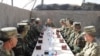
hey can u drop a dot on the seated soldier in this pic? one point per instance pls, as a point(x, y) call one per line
point(78, 41)
point(92, 47)
point(22, 29)
point(32, 21)
point(32, 36)
point(49, 23)
point(75, 34)
point(69, 29)
point(9, 37)
point(63, 26)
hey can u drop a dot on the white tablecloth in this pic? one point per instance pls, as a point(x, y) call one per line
point(51, 42)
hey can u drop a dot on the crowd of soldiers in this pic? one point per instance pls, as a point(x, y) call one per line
point(21, 40)
point(82, 43)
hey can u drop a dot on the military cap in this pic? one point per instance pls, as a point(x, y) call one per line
point(9, 31)
point(76, 23)
point(32, 19)
point(25, 21)
point(89, 29)
point(37, 19)
point(24, 25)
point(62, 20)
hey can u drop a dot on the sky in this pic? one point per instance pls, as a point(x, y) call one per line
point(22, 3)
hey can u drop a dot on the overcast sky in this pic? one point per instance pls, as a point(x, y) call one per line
point(21, 3)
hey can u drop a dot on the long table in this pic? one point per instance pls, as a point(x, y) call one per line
point(52, 45)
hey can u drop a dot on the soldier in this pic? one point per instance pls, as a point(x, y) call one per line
point(9, 37)
point(32, 36)
point(75, 34)
point(63, 26)
point(69, 29)
point(92, 47)
point(49, 23)
point(22, 29)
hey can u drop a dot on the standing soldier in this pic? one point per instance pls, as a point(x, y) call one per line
point(92, 47)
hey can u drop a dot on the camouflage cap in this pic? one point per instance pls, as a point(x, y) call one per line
point(62, 20)
point(9, 31)
point(76, 23)
point(37, 19)
point(25, 25)
point(25, 21)
point(90, 29)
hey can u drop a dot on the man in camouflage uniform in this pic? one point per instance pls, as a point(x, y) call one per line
point(63, 26)
point(92, 47)
point(22, 29)
point(49, 23)
point(9, 38)
point(32, 36)
point(75, 34)
point(69, 29)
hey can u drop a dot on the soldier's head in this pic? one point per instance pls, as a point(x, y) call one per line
point(49, 21)
point(22, 28)
point(8, 32)
point(38, 21)
point(89, 33)
point(69, 22)
point(32, 20)
point(77, 26)
point(62, 21)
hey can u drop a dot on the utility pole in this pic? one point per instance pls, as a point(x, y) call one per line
point(42, 3)
point(12, 2)
point(83, 1)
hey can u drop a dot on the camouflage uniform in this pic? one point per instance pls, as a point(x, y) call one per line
point(10, 41)
point(92, 47)
point(78, 44)
point(67, 33)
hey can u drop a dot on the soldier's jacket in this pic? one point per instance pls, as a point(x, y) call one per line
point(63, 30)
point(72, 35)
point(50, 25)
point(75, 36)
point(4, 53)
point(78, 44)
point(68, 32)
point(90, 49)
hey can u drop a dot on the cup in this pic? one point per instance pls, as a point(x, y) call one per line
point(40, 41)
point(38, 47)
point(46, 52)
point(61, 40)
point(64, 47)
